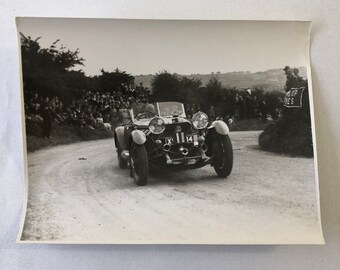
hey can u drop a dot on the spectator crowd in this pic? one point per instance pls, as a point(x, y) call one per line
point(251, 103)
point(92, 109)
point(244, 104)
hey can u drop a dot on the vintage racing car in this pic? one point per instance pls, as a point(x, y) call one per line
point(159, 135)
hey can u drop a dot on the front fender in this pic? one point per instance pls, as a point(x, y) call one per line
point(138, 137)
point(119, 138)
point(220, 127)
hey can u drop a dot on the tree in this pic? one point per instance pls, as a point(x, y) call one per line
point(215, 95)
point(188, 90)
point(165, 87)
point(172, 87)
point(112, 81)
point(49, 71)
point(214, 83)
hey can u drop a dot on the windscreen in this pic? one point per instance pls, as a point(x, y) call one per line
point(171, 109)
point(139, 108)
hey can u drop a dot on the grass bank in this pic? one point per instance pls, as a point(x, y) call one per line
point(61, 134)
point(248, 125)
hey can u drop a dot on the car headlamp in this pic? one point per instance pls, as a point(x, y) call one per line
point(200, 120)
point(157, 125)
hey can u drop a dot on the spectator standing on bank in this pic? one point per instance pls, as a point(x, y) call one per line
point(263, 108)
point(250, 104)
point(238, 101)
point(291, 81)
point(212, 114)
point(192, 110)
point(302, 81)
point(297, 75)
point(46, 115)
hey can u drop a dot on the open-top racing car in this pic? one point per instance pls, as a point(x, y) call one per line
point(159, 135)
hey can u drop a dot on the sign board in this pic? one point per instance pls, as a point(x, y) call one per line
point(293, 98)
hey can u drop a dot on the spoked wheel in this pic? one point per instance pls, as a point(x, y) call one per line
point(223, 151)
point(121, 161)
point(139, 167)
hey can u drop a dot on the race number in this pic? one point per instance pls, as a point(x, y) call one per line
point(190, 139)
point(293, 98)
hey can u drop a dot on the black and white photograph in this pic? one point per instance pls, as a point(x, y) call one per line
point(168, 132)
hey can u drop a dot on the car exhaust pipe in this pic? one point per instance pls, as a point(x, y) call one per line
point(166, 147)
point(204, 147)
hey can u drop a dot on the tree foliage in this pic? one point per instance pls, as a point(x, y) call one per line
point(48, 71)
point(165, 86)
point(51, 72)
point(112, 81)
point(171, 87)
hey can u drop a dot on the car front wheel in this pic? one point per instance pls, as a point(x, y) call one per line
point(121, 162)
point(139, 166)
point(223, 152)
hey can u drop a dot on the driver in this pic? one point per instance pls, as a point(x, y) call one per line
point(149, 112)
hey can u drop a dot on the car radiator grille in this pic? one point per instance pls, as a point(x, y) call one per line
point(170, 129)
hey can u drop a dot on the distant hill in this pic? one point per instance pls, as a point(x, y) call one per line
point(269, 80)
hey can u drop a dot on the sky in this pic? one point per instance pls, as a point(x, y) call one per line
point(183, 47)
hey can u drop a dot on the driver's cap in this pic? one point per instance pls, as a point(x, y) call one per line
point(150, 108)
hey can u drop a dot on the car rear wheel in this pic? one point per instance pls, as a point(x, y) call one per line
point(223, 152)
point(139, 164)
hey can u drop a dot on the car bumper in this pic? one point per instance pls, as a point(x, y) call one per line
point(189, 161)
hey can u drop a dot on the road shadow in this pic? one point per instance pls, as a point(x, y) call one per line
point(168, 178)
point(271, 153)
point(181, 177)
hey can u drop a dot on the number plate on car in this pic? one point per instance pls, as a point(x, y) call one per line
point(192, 139)
point(181, 138)
point(169, 140)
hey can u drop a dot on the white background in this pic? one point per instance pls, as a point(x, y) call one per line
point(325, 59)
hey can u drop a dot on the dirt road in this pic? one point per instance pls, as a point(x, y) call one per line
point(268, 198)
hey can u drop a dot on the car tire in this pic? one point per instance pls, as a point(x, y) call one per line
point(139, 165)
point(223, 151)
point(121, 161)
